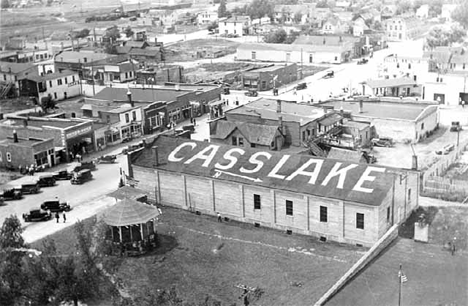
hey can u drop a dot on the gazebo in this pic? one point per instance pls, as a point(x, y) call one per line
point(133, 225)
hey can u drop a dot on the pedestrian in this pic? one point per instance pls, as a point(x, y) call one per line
point(219, 218)
point(78, 157)
point(64, 217)
point(452, 247)
point(295, 91)
point(463, 103)
point(194, 122)
point(57, 217)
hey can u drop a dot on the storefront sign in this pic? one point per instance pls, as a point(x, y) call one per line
point(73, 83)
point(79, 132)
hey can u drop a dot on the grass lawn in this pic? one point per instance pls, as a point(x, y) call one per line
point(202, 257)
point(435, 277)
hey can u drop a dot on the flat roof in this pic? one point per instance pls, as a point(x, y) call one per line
point(295, 47)
point(391, 82)
point(296, 173)
point(290, 111)
point(139, 94)
point(21, 141)
point(50, 76)
point(386, 110)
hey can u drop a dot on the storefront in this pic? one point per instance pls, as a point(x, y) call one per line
point(78, 139)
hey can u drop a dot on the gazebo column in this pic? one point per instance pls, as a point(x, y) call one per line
point(131, 235)
point(141, 231)
point(120, 233)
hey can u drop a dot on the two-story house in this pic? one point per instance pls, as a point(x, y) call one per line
point(333, 25)
point(293, 13)
point(237, 25)
point(403, 28)
point(10, 76)
point(207, 17)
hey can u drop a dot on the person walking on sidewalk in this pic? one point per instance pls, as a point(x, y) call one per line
point(64, 217)
point(219, 218)
point(57, 217)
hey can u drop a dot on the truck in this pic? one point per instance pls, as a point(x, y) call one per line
point(11, 194)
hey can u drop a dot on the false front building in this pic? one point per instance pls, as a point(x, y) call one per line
point(331, 199)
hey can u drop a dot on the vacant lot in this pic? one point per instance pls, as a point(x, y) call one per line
point(187, 50)
point(201, 257)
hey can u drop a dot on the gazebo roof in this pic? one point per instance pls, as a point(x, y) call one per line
point(128, 212)
point(127, 192)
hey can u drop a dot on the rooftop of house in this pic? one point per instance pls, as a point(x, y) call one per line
point(267, 109)
point(24, 142)
point(325, 40)
point(15, 68)
point(50, 76)
point(139, 94)
point(383, 83)
point(255, 133)
point(295, 47)
point(356, 124)
point(384, 110)
point(81, 57)
point(136, 44)
point(375, 187)
point(294, 8)
point(237, 19)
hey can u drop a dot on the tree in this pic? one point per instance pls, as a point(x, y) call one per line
point(82, 34)
point(276, 37)
point(436, 37)
point(456, 34)
point(322, 4)
point(291, 37)
point(213, 26)
point(260, 8)
point(113, 34)
point(5, 4)
point(298, 17)
point(10, 233)
point(222, 11)
point(128, 32)
point(404, 6)
point(435, 7)
point(460, 14)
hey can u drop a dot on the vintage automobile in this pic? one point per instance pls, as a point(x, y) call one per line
point(81, 177)
point(109, 159)
point(46, 180)
point(362, 61)
point(30, 188)
point(329, 74)
point(251, 93)
point(37, 215)
point(226, 90)
point(383, 142)
point(301, 86)
point(11, 194)
point(55, 206)
point(90, 165)
point(62, 175)
point(2, 201)
point(133, 147)
point(455, 127)
point(445, 150)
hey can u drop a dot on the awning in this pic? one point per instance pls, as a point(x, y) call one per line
point(59, 149)
point(196, 103)
point(217, 103)
point(330, 120)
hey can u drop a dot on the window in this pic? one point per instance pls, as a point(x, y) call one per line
point(134, 115)
point(304, 135)
point(409, 66)
point(323, 214)
point(359, 220)
point(8, 157)
point(336, 58)
point(4, 77)
point(108, 119)
point(463, 66)
point(59, 82)
point(234, 140)
point(388, 214)
point(126, 75)
point(252, 145)
point(55, 95)
point(409, 195)
point(50, 84)
point(422, 126)
point(1, 157)
point(311, 58)
point(73, 78)
point(127, 118)
point(289, 208)
point(241, 141)
point(257, 201)
point(391, 28)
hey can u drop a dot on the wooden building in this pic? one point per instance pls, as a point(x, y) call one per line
point(331, 199)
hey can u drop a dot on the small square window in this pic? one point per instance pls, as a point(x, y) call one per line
point(323, 214)
point(241, 141)
point(289, 208)
point(257, 201)
point(359, 220)
point(59, 82)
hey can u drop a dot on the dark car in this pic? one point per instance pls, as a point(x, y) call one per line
point(83, 166)
point(251, 93)
point(107, 159)
point(62, 175)
point(301, 86)
point(81, 177)
point(55, 206)
point(226, 90)
point(383, 142)
point(329, 74)
point(46, 180)
point(30, 188)
point(11, 194)
point(362, 61)
point(37, 215)
point(455, 127)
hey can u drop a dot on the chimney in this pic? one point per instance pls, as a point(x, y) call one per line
point(414, 164)
point(361, 106)
point(341, 38)
point(129, 96)
point(25, 122)
point(155, 156)
point(15, 136)
point(278, 106)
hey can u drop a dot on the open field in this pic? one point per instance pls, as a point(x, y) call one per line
point(186, 50)
point(202, 257)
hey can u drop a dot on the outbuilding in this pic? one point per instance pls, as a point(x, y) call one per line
point(330, 199)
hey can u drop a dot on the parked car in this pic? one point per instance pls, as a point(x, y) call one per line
point(301, 86)
point(107, 159)
point(383, 142)
point(11, 194)
point(2, 201)
point(90, 165)
point(132, 148)
point(30, 188)
point(446, 149)
point(362, 61)
point(251, 93)
point(55, 206)
point(37, 215)
point(455, 127)
point(81, 177)
point(62, 175)
point(329, 74)
point(46, 180)
point(226, 90)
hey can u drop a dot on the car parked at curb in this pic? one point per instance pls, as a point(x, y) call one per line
point(37, 215)
point(455, 127)
point(11, 194)
point(46, 180)
point(251, 93)
point(55, 206)
point(62, 175)
point(30, 188)
point(81, 177)
point(301, 86)
point(445, 150)
point(383, 142)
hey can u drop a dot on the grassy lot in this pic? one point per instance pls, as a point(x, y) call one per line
point(435, 277)
point(186, 50)
point(201, 257)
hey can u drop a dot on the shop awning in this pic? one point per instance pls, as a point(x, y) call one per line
point(129, 212)
point(59, 149)
point(196, 103)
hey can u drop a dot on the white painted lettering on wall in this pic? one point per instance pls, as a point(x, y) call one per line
point(312, 168)
point(79, 132)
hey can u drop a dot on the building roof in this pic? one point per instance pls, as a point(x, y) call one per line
point(274, 171)
point(267, 69)
point(384, 110)
point(325, 40)
point(330, 119)
point(294, 8)
point(136, 44)
point(123, 49)
point(139, 94)
point(356, 124)
point(255, 133)
point(236, 19)
point(150, 51)
point(391, 82)
point(347, 155)
point(267, 109)
point(127, 192)
point(295, 47)
point(128, 212)
point(23, 142)
point(79, 57)
point(50, 76)
point(15, 67)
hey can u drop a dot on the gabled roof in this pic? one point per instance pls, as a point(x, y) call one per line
point(318, 40)
point(79, 57)
point(238, 19)
point(272, 174)
point(123, 49)
point(150, 51)
point(136, 44)
point(255, 133)
point(391, 82)
point(50, 76)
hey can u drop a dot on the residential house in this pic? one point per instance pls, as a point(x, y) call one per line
point(153, 75)
point(77, 61)
point(360, 27)
point(403, 28)
point(333, 25)
point(269, 77)
point(395, 66)
point(295, 53)
point(447, 10)
point(356, 45)
point(388, 11)
point(120, 72)
point(25, 56)
point(96, 36)
point(11, 74)
point(293, 13)
point(423, 11)
point(236, 25)
point(207, 17)
point(54, 86)
point(397, 87)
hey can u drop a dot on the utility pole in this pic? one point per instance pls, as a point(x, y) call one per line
point(301, 65)
point(399, 286)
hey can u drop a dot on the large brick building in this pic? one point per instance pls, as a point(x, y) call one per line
point(332, 199)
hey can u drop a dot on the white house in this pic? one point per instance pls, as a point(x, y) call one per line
point(119, 72)
point(359, 27)
point(423, 11)
point(58, 86)
point(207, 17)
point(447, 10)
point(234, 25)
